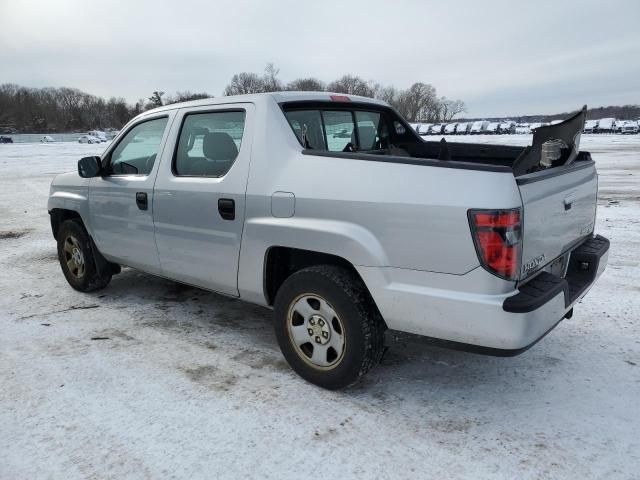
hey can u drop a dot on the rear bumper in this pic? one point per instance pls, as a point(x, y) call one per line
point(453, 308)
point(587, 262)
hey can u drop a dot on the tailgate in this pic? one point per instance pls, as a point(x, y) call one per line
point(559, 186)
point(559, 209)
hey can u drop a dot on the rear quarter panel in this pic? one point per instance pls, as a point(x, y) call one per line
point(371, 213)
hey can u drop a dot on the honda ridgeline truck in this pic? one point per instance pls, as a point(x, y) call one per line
point(331, 210)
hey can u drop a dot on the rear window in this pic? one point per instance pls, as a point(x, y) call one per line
point(339, 130)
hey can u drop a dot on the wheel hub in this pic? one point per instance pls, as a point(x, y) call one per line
point(73, 257)
point(318, 329)
point(77, 257)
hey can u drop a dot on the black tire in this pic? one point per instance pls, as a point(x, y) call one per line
point(73, 236)
point(362, 324)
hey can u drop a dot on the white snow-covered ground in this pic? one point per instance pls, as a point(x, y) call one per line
point(189, 384)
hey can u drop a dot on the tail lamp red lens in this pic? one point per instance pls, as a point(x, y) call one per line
point(497, 235)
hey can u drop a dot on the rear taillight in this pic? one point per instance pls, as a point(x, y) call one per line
point(498, 240)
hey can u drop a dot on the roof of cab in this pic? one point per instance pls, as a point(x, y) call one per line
point(279, 97)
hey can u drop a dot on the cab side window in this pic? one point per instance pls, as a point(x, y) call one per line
point(340, 130)
point(209, 143)
point(307, 125)
point(137, 151)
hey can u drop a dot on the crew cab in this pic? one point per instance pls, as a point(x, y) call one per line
point(331, 210)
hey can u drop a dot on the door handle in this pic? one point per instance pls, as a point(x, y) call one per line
point(142, 201)
point(227, 208)
point(568, 201)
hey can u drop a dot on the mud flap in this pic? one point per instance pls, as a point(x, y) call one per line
point(103, 266)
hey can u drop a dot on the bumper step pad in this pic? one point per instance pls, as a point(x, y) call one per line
point(581, 273)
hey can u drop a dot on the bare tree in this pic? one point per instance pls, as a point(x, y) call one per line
point(156, 98)
point(309, 84)
point(186, 96)
point(419, 103)
point(270, 80)
point(243, 83)
point(387, 94)
point(352, 85)
point(450, 108)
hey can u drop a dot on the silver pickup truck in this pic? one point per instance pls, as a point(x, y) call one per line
point(331, 210)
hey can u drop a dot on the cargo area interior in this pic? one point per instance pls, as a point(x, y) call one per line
point(357, 130)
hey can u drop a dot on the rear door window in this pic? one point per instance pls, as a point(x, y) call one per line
point(209, 143)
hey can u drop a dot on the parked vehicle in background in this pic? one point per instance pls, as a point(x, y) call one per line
point(47, 139)
point(629, 127)
point(493, 128)
point(111, 134)
point(463, 128)
point(450, 128)
point(6, 140)
point(436, 129)
point(523, 128)
point(590, 126)
point(478, 127)
point(423, 128)
point(617, 126)
point(88, 139)
point(507, 128)
point(606, 125)
point(98, 134)
point(252, 197)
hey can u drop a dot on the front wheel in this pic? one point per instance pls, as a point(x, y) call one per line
point(327, 326)
point(76, 258)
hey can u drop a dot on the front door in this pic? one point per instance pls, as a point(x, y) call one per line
point(121, 201)
point(199, 196)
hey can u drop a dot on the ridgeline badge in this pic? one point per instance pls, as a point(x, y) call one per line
point(533, 263)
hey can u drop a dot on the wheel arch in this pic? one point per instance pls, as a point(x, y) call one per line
point(281, 262)
point(59, 215)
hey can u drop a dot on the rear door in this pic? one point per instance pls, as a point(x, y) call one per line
point(199, 196)
point(120, 202)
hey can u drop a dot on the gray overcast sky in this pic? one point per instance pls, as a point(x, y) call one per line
point(501, 57)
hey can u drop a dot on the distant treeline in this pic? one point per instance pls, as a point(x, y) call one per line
point(419, 102)
point(50, 110)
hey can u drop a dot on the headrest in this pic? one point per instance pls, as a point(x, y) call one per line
point(219, 146)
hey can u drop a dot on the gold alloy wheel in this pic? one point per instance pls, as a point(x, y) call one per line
point(73, 257)
point(316, 331)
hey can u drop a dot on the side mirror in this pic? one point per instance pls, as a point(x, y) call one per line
point(89, 167)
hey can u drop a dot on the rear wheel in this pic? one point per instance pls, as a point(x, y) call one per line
point(328, 326)
point(76, 258)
